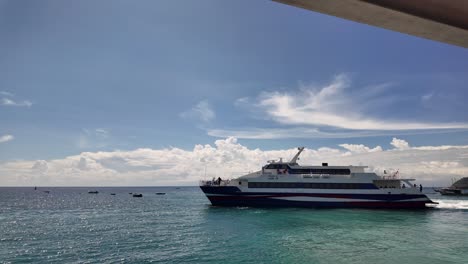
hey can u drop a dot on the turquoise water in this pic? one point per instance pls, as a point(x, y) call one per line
point(69, 225)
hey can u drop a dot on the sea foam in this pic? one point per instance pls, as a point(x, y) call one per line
point(451, 204)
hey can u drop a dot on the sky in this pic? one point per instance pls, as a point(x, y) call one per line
point(152, 92)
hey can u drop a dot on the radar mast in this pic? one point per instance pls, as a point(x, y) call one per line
point(296, 157)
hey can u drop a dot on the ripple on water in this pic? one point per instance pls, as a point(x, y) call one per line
point(69, 225)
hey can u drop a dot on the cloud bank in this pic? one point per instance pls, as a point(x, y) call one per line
point(431, 165)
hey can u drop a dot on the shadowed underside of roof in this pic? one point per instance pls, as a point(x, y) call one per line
point(441, 20)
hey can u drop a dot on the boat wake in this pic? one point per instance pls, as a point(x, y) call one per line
point(451, 204)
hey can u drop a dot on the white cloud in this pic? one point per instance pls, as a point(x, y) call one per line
point(309, 132)
point(9, 102)
point(101, 132)
point(201, 111)
point(273, 133)
point(40, 167)
point(330, 111)
point(443, 147)
point(399, 144)
point(359, 148)
point(332, 106)
point(427, 97)
point(242, 101)
point(6, 138)
point(431, 165)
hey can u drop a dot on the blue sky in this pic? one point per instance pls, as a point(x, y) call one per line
point(82, 76)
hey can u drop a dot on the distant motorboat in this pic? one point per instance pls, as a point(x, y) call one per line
point(93, 192)
point(137, 195)
point(459, 187)
point(112, 193)
point(47, 191)
point(160, 193)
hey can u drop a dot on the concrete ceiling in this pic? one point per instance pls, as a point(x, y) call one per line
point(440, 20)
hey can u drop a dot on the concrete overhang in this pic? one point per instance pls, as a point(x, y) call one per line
point(441, 20)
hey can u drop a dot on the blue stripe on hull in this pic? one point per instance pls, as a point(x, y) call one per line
point(266, 202)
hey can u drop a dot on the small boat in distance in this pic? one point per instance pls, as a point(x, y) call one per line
point(459, 187)
point(137, 195)
point(288, 184)
point(93, 192)
point(160, 193)
point(112, 194)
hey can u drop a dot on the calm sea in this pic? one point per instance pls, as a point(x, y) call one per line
point(68, 225)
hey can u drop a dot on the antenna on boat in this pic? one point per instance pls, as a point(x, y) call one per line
point(296, 157)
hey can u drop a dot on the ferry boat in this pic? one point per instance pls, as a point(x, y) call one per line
point(288, 184)
point(459, 187)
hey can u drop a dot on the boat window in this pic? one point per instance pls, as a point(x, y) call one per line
point(311, 185)
point(320, 171)
point(277, 166)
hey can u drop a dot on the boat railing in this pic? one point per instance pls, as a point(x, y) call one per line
point(215, 182)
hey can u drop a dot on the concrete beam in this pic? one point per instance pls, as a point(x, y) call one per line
point(440, 20)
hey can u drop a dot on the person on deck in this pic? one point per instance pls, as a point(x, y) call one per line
point(420, 187)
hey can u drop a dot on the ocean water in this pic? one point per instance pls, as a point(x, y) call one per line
point(68, 225)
